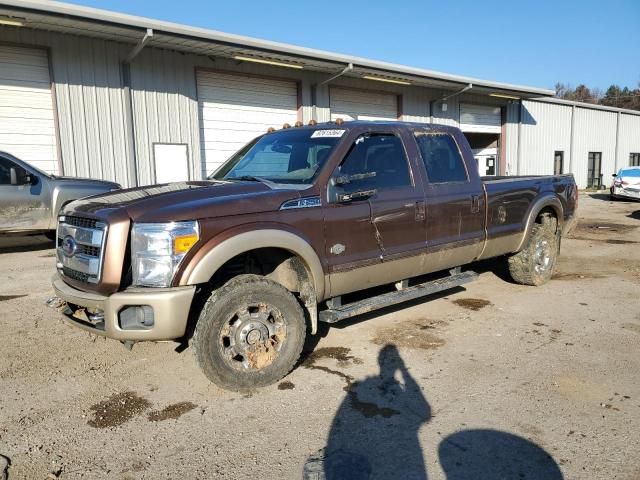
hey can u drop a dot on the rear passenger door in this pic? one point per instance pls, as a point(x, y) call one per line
point(455, 201)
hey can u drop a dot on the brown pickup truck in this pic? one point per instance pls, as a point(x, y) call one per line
point(297, 228)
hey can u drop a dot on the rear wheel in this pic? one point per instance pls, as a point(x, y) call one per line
point(250, 333)
point(535, 264)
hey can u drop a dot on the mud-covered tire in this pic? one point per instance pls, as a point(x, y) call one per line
point(536, 262)
point(234, 318)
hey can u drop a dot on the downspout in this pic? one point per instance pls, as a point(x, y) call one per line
point(432, 103)
point(314, 89)
point(128, 106)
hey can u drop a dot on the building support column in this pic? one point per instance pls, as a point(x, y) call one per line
point(617, 151)
point(572, 140)
point(519, 148)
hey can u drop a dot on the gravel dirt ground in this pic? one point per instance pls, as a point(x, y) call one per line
point(493, 380)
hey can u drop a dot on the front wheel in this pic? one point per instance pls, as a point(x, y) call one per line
point(535, 264)
point(250, 333)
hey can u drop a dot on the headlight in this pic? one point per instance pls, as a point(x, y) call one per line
point(157, 250)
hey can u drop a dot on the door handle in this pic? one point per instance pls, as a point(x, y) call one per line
point(475, 203)
point(420, 211)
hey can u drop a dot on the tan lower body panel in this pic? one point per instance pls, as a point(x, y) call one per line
point(395, 270)
point(170, 310)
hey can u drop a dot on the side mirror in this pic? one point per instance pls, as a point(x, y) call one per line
point(19, 176)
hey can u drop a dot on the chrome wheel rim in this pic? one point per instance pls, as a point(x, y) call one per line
point(252, 338)
point(542, 256)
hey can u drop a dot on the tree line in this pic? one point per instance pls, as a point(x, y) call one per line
point(614, 96)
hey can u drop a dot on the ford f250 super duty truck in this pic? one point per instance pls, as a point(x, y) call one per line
point(247, 262)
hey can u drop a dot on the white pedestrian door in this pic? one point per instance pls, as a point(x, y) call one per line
point(234, 109)
point(27, 125)
point(349, 104)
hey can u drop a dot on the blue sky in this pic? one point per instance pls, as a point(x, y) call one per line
point(536, 43)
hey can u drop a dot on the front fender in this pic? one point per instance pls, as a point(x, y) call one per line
point(202, 267)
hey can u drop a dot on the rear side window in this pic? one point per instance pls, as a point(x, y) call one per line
point(441, 158)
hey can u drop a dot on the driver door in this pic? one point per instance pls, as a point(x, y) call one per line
point(375, 221)
point(21, 206)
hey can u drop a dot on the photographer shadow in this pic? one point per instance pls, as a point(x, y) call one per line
point(374, 435)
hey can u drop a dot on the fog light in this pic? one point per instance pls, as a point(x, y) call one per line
point(136, 318)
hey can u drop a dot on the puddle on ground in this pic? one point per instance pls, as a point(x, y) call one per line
point(474, 304)
point(634, 327)
point(117, 409)
point(286, 385)
point(575, 276)
point(369, 409)
point(602, 227)
point(341, 354)
point(620, 242)
point(173, 411)
point(10, 297)
point(411, 334)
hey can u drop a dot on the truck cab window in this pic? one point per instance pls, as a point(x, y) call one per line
point(441, 158)
point(381, 155)
point(5, 171)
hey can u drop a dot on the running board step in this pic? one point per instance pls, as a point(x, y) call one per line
point(349, 310)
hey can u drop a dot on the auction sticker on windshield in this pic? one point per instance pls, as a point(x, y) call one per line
point(328, 133)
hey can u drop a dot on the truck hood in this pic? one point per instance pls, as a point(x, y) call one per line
point(185, 201)
point(75, 181)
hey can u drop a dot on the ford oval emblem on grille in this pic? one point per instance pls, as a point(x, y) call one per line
point(69, 246)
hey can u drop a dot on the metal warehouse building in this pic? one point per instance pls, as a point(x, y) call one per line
point(98, 94)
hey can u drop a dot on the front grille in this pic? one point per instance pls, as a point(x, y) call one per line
point(80, 248)
point(81, 222)
point(74, 275)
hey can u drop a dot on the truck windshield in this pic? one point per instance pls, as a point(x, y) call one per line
point(287, 156)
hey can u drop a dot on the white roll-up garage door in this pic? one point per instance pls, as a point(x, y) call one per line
point(480, 118)
point(362, 105)
point(234, 109)
point(27, 125)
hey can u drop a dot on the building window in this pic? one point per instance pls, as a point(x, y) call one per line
point(558, 163)
point(594, 170)
point(634, 159)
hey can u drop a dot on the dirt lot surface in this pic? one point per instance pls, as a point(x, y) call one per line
point(494, 380)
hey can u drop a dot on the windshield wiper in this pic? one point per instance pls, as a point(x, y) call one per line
point(251, 178)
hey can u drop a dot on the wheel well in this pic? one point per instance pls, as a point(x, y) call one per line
point(547, 213)
point(277, 264)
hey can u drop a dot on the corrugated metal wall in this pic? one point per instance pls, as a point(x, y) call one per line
point(629, 141)
point(94, 141)
point(595, 131)
point(546, 128)
point(86, 74)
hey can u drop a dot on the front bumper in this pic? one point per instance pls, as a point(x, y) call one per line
point(621, 192)
point(170, 308)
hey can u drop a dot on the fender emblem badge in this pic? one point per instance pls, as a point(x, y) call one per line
point(337, 249)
